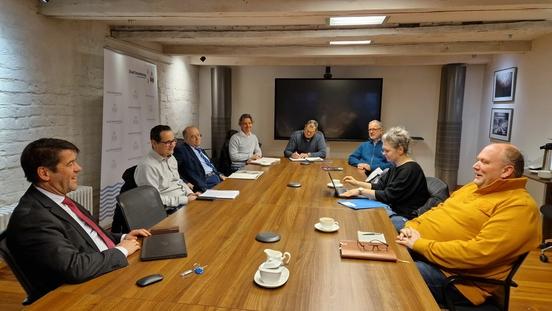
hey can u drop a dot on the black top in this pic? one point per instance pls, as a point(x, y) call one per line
point(404, 188)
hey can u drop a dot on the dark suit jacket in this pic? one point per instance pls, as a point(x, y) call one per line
point(52, 248)
point(189, 166)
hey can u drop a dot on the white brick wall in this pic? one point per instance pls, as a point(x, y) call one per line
point(51, 81)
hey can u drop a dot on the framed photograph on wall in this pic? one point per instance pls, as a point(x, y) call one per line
point(504, 84)
point(501, 123)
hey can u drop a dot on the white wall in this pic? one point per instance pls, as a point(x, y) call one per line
point(410, 99)
point(532, 126)
point(51, 85)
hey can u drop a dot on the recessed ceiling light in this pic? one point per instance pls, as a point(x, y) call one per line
point(350, 42)
point(356, 20)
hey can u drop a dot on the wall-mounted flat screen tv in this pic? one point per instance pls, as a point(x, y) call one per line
point(342, 107)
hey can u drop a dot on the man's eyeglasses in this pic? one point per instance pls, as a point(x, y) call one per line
point(372, 130)
point(168, 142)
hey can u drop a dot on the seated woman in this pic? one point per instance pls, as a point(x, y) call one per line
point(403, 187)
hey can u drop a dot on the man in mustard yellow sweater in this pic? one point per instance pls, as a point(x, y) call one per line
point(480, 230)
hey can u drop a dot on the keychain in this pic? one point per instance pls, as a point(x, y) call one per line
point(197, 269)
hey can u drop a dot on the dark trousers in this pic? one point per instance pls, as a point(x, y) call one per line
point(213, 180)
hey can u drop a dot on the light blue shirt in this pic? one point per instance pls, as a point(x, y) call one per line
point(201, 156)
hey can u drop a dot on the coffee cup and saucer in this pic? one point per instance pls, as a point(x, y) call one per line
point(327, 224)
point(272, 273)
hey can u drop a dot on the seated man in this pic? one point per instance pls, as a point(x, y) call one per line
point(480, 230)
point(306, 143)
point(244, 145)
point(193, 163)
point(52, 238)
point(369, 155)
point(160, 170)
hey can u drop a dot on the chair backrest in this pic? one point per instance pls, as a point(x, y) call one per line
point(438, 192)
point(128, 177)
point(141, 207)
point(119, 224)
point(224, 161)
point(32, 293)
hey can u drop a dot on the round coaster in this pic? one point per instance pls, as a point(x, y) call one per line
point(267, 237)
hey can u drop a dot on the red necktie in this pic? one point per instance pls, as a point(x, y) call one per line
point(72, 206)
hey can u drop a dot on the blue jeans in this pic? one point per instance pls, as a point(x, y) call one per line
point(397, 220)
point(436, 280)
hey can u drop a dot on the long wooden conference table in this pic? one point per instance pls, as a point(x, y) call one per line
point(221, 236)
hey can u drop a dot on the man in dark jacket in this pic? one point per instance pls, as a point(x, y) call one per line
point(53, 239)
point(194, 166)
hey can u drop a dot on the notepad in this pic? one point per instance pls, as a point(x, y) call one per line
point(362, 203)
point(211, 194)
point(243, 174)
point(265, 161)
point(366, 250)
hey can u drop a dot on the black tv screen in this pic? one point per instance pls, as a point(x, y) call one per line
point(342, 107)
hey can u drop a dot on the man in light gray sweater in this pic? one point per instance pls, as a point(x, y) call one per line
point(244, 145)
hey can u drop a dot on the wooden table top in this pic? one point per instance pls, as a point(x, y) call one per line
point(221, 235)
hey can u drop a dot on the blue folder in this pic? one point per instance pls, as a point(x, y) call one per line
point(361, 203)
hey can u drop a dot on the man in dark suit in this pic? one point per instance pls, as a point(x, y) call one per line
point(53, 239)
point(194, 165)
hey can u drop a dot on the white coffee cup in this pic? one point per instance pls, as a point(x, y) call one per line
point(545, 174)
point(270, 275)
point(328, 222)
point(276, 258)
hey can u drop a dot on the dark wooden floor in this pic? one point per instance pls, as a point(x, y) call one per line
point(534, 291)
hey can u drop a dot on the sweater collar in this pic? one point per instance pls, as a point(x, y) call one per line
point(503, 185)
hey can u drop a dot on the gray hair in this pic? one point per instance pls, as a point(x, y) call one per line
point(313, 122)
point(397, 137)
point(377, 122)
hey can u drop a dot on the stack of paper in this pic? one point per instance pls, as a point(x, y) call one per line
point(219, 194)
point(308, 159)
point(265, 161)
point(243, 174)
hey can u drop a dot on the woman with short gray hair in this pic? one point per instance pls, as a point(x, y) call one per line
point(403, 187)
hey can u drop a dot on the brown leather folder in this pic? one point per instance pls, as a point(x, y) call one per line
point(364, 250)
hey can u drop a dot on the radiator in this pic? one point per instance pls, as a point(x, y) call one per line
point(83, 196)
point(5, 213)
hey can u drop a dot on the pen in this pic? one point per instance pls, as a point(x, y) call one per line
point(370, 233)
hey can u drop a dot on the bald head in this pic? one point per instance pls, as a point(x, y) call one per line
point(497, 161)
point(192, 136)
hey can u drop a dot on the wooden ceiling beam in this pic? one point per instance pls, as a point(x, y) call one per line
point(146, 9)
point(456, 33)
point(340, 61)
point(404, 49)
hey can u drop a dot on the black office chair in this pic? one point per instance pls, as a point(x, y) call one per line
point(119, 224)
point(32, 293)
point(438, 192)
point(141, 207)
point(546, 211)
point(492, 303)
point(224, 162)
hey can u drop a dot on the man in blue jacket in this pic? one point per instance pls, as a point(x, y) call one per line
point(369, 155)
point(193, 164)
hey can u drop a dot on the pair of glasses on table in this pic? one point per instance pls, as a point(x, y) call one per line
point(373, 246)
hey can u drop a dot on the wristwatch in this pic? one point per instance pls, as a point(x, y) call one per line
point(360, 189)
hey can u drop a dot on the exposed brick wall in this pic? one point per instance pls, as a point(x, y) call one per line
point(51, 85)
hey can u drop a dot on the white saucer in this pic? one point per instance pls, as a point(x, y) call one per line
point(319, 227)
point(533, 171)
point(283, 279)
point(337, 183)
